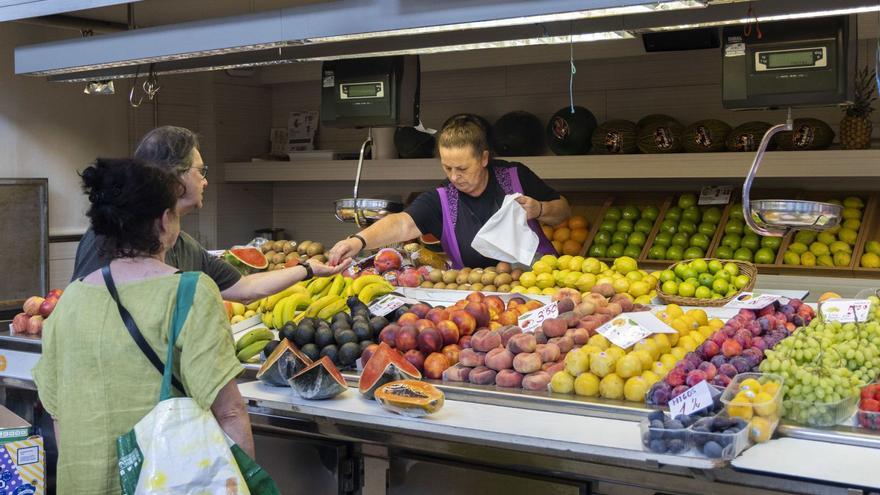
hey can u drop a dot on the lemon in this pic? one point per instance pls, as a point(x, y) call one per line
point(842, 259)
point(716, 323)
point(550, 291)
point(518, 289)
point(645, 300)
point(852, 213)
point(678, 352)
point(662, 341)
point(798, 247)
point(699, 315)
point(541, 267)
point(674, 310)
point(635, 389)
point(585, 282)
point(698, 337)
point(563, 262)
point(528, 279)
point(750, 384)
point(562, 383)
point(680, 326)
point(599, 341)
point(669, 360)
point(825, 260)
point(852, 223)
point(764, 405)
point(586, 384)
point(576, 363)
point(634, 276)
point(853, 202)
point(649, 346)
point(591, 265)
point(615, 352)
point(870, 260)
point(534, 290)
point(687, 343)
point(571, 279)
point(620, 285)
point(650, 377)
point(706, 331)
point(825, 238)
point(625, 264)
point(739, 408)
point(840, 246)
point(808, 259)
point(791, 258)
point(544, 281)
point(639, 288)
point(873, 247)
point(760, 429)
point(611, 387)
point(848, 236)
point(819, 249)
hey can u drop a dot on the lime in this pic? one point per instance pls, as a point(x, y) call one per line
point(666, 275)
point(720, 286)
point(694, 252)
point(598, 250)
point(808, 259)
point(870, 260)
point(732, 269)
point(686, 201)
point(701, 241)
point(686, 289)
point(693, 281)
point(608, 226)
point(664, 239)
point(713, 215)
point(848, 236)
point(791, 258)
point(675, 253)
point(670, 287)
point(732, 241)
point(630, 213)
point(741, 281)
point(736, 212)
point(706, 279)
point(706, 228)
point(670, 226)
point(673, 213)
point(603, 238)
point(619, 237)
point(613, 214)
point(681, 270)
point(701, 266)
point(687, 227)
point(798, 248)
point(873, 247)
point(692, 214)
point(842, 258)
point(819, 249)
point(771, 242)
point(724, 275)
point(724, 252)
point(625, 225)
point(751, 240)
point(644, 226)
point(702, 293)
point(734, 227)
point(615, 251)
point(765, 256)
point(680, 239)
point(715, 266)
point(805, 237)
point(651, 213)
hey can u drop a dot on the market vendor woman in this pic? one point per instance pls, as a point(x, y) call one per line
point(456, 211)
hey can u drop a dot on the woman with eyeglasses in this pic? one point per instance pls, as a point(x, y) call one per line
point(474, 190)
point(177, 149)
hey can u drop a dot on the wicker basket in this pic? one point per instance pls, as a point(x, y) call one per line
point(745, 268)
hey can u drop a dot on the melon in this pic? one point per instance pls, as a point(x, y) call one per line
point(807, 134)
point(705, 136)
point(386, 365)
point(652, 118)
point(319, 380)
point(615, 137)
point(431, 242)
point(413, 143)
point(410, 398)
point(282, 364)
point(247, 259)
point(569, 133)
point(518, 134)
point(747, 137)
point(660, 135)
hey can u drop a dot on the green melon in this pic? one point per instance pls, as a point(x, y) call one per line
point(705, 135)
point(615, 137)
point(661, 136)
point(747, 137)
point(808, 134)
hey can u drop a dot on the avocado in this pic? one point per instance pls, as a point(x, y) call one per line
point(377, 323)
point(362, 330)
point(305, 334)
point(348, 353)
point(399, 312)
point(270, 347)
point(312, 351)
point(345, 336)
point(362, 312)
point(323, 337)
point(339, 325)
point(365, 344)
point(342, 316)
point(288, 331)
point(332, 352)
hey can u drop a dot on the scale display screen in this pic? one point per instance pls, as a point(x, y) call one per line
point(791, 59)
point(348, 91)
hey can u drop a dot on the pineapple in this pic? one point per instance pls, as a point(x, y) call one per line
point(855, 127)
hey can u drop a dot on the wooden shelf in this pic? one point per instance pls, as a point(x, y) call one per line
point(779, 164)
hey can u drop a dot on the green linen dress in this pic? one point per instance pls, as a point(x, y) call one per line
point(96, 383)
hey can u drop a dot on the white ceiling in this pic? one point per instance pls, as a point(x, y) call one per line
point(159, 12)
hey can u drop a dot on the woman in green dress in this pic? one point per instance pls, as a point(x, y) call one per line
point(92, 377)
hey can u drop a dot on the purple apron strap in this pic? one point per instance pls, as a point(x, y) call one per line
point(544, 244)
point(448, 239)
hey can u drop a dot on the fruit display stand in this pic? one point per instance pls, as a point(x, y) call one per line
point(658, 201)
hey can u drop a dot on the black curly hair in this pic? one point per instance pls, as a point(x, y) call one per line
point(127, 197)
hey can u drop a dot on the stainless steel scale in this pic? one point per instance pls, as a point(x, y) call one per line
point(364, 211)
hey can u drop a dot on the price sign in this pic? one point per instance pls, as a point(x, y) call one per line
point(750, 300)
point(388, 303)
point(531, 321)
point(845, 310)
point(694, 399)
point(629, 328)
point(715, 195)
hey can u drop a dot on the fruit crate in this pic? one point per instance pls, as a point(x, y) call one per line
point(588, 205)
point(868, 217)
point(659, 200)
point(735, 204)
point(870, 231)
point(714, 239)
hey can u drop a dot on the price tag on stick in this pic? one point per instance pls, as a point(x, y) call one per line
point(628, 328)
point(750, 300)
point(531, 321)
point(388, 303)
point(694, 399)
point(845, 310)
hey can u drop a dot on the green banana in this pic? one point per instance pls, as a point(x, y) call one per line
point(253, 336)
point(359, 283)
point(319, 304)
point(372, 291)
point(252, 350)
point(331, 309)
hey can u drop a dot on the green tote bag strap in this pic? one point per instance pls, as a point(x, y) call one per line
point(186, 291)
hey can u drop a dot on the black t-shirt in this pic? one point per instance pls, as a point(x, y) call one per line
point(426, 211)
point(186, 254)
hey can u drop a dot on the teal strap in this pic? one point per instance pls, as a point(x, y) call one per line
point(186, 290)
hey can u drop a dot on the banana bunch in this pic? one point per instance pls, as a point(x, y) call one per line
point(369, 287)
point(317, 297)
point(252, 343)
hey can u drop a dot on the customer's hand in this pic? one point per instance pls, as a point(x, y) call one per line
point(344, 249)
point(325, 270)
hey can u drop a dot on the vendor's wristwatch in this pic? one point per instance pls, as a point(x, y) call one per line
point(309, 272)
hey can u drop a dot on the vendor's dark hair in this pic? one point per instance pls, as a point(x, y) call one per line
point(127, 197)
point(463, 130)
point(168, 146)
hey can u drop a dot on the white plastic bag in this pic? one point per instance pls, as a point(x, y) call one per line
point(507, 235)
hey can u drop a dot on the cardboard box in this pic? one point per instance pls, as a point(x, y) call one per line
point(22, 457)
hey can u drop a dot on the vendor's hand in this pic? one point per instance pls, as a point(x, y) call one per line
point(324, 270)
point(532, 206)
point(344, 249)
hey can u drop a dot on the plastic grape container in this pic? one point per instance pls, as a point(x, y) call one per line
point(822, 414)
point(763, 415)
point(726, 444)
point(660, 439)
point(868, 419)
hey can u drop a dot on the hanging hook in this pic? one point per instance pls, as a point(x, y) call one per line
point(752, 17)
point(573, 68)
point(150, 87)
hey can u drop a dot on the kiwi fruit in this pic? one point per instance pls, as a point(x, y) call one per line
point(449, 276)
point(439, 285)
point(504, 267)
point(490, 288)
point(270, 254)
point(320, 258)
point(427, 284)
point(266, 247)
point(279, 258)
point(303, 246)
point(289, 247)
point(435, 276)
point(473, 277)
point(488, 278)
point(291, 256)
point(315, 249)
point(503, 279)
point(279, 246)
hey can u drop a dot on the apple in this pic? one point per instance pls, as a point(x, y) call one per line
point(32, 305)
point(387, 259)
point(48, 306)
point(410, 278)
point(56, 293)
point(35, 325)
point(20, 323)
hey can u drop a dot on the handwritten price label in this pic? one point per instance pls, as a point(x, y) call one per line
point(695, 399)
point(845, 310)
point(750, 300)
point(531, 321)
point(388, 303)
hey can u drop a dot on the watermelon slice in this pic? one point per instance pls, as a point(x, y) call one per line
point(431, 242)
point(246, 259)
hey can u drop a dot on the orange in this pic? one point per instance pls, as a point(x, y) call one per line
point(548, 231)
point(557, 246)
point(577, 222)
point(562, 234)
point(571, 247)
point(579, 235)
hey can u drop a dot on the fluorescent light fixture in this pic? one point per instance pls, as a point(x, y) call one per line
point(655, 6)
point(99, 88)
point(768, 18)
point(544, 40)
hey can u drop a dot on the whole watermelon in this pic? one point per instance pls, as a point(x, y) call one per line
point(615, 137)
point(654, 117)
point(808, 134)
point(661, 136)
point(518, 134)
point(568, 133)
point(747, 137)
point(705, 135)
